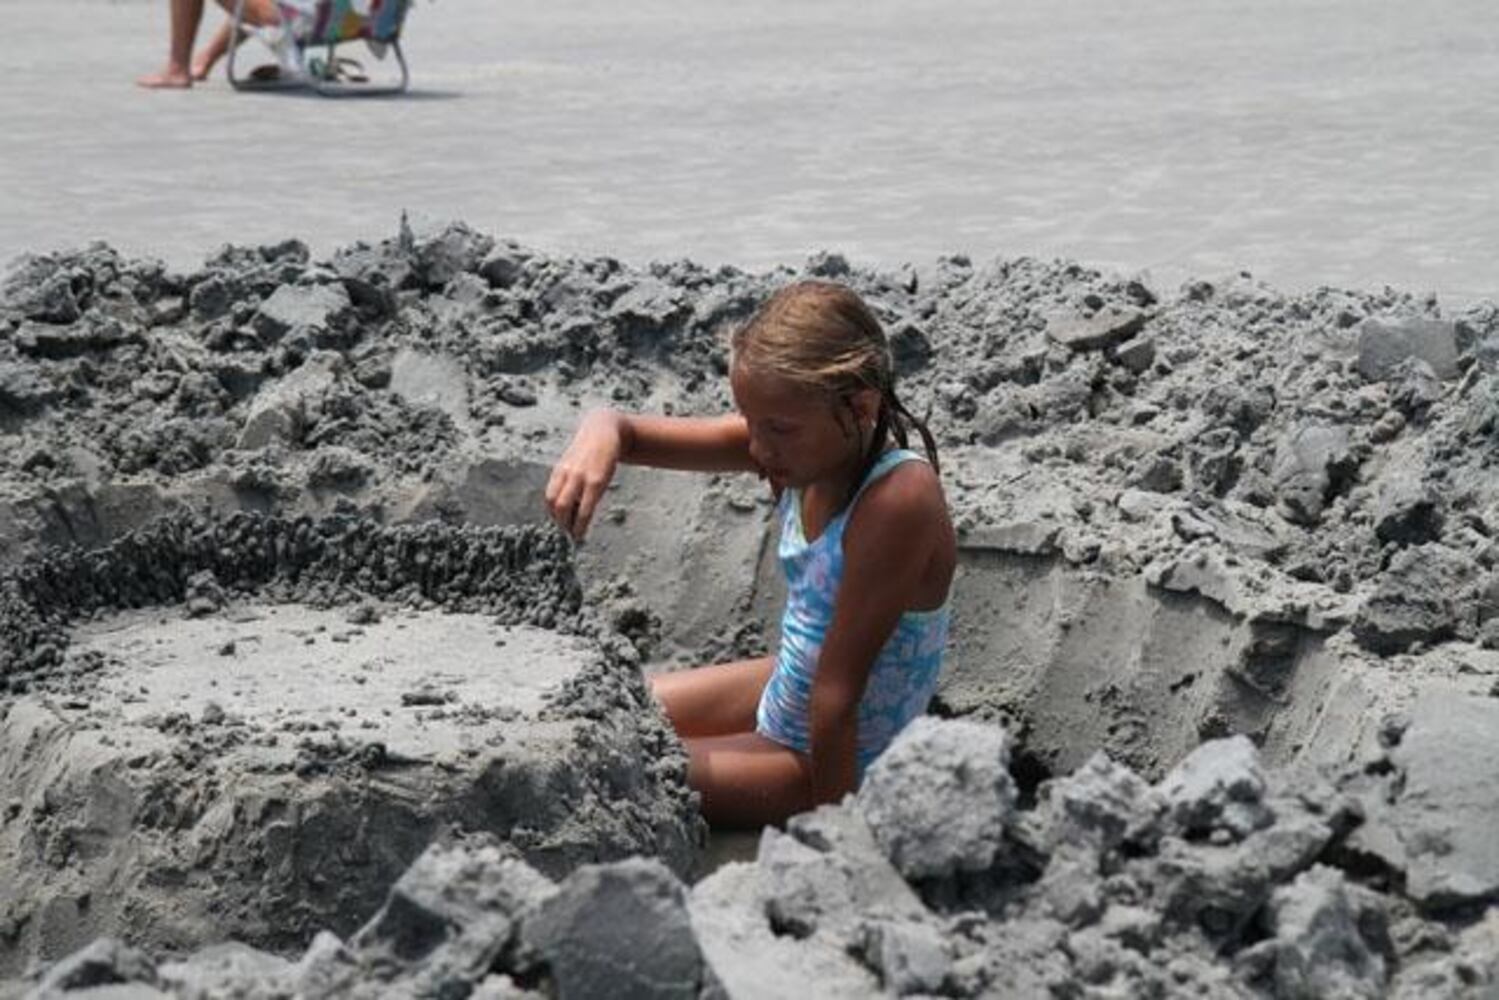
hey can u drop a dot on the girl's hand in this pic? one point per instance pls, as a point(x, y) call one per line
point(584, 471)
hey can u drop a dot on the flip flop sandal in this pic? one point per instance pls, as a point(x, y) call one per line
point(343, 70)
point(350, 71)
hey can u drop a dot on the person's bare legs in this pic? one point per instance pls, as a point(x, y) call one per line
point(181, 69)
point(213, 52)
point(186, 16)
point(258, 14)
point(745, 780)
point(748, 781)
point(713, 701)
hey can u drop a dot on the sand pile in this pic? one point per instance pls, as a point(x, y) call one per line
point(1221, 880)
point(1219, 510)
point(1183, 515)
point(291, 712)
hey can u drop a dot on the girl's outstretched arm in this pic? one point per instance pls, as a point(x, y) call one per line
point(605, 438)
point(890, 539)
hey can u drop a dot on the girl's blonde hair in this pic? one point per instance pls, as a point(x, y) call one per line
point(821, 334)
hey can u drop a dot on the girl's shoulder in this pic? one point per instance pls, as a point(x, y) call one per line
point(901, 522)
point(908, 490)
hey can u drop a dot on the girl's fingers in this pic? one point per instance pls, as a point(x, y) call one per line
point(564, 503)
point(587, 503)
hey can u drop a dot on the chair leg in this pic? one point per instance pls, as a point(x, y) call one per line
point(405, 73)
point(234, 30)
point(330, 87)
point(326, 81)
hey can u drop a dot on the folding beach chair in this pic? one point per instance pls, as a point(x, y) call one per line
point(310, 25)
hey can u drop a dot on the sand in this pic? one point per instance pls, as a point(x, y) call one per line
point(1239, 542)
point(250, 728)
point(235, 737)
point(1338, 143)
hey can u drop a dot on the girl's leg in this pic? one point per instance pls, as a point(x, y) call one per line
point(747, 781)
point(186, 15)
point(713, 701)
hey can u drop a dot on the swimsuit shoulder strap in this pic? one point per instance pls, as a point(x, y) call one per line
point(881, 468)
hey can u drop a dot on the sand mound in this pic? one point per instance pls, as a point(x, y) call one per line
point(1224, 879)
point(216, 765)
point(1183, 516)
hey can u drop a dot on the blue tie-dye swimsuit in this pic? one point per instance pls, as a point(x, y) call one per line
point(904, 674)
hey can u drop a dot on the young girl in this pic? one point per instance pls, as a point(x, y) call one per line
point(866, 544)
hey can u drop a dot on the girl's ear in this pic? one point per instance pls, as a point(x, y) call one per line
point(866, 404)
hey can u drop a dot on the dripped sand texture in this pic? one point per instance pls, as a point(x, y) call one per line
point(296, 712)
point(1187, 517)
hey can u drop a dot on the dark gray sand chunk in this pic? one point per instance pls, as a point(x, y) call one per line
point(1136, 355)
point(42, 288)
point(24, 390)
point(1384, 343)
point(313, 311)
point(281, 412)
point(1437, 826)
point(1427, 595)
point(1407, 510)
point(1464, 964)
point(443, 253)
point(450, 917)
point(618, 930)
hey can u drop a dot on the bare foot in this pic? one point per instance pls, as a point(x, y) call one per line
point(167, 79)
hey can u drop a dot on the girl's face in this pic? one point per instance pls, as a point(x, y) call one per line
point(797, 435)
